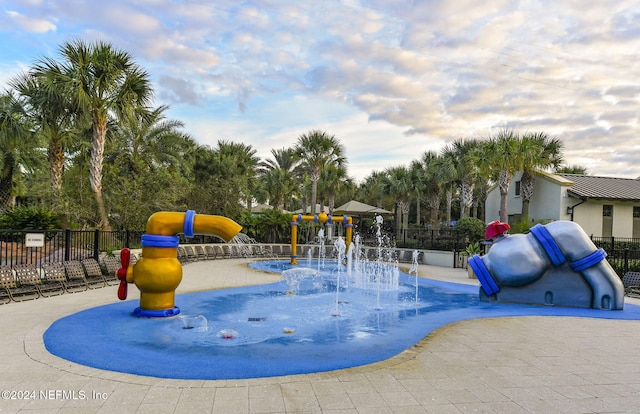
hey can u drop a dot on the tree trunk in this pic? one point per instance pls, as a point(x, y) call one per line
point(466, 199)
point(434, 206)
point(504, 181)
point(95, 170)
point(6, 182)
point(449, 201)
point(527, 184)
point(314, 195)
point(418, 208)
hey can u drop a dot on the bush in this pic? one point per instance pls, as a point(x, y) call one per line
point(471, 228)
point(524, 225)
point(29, 218)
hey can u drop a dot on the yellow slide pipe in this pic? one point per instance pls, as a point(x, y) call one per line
point(159, 272)
point(322, 218)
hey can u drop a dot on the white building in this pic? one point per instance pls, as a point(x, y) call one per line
point(603, 206)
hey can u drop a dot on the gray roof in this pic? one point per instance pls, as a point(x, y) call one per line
point(588, 186)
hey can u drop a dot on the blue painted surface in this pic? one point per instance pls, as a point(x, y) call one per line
point(367, 330)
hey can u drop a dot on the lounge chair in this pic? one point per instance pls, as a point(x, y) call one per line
point(191, 255)
point(210, 252)
point(182, 255)
point(200, 254)
point(631, 282)
point(111, 265)
point(10, 289)
point(27, 275)
point(55, 272)
point(93, 273)
point(7, 282)
point(75, 274)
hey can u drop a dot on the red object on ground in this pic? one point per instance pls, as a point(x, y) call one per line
point(125, 256)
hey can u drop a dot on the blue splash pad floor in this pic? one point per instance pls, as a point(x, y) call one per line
point(277, 334)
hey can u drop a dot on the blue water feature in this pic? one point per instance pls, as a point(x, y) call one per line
point(273, 330)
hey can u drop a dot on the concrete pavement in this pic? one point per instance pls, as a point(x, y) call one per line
point(497, 365)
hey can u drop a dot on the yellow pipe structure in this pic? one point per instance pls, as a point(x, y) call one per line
point(320, 218)
point(159, 272)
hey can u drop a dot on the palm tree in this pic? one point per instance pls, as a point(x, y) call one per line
point(400, 186)
point(572, 169)
point(316, 151)
point(334, 179)
point(372, 190)
point(278, 177)
point(466, 171)
point(500, 157)
point(447, 174)
point(431, 185)
point(53, 117)
point(538, 151)
point(417, 176)
point(147, 140)
point(237, 163)
point(18, 147)
point(103, 83)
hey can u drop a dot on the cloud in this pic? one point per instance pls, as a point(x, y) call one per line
point(29, 24)
point(421, 73)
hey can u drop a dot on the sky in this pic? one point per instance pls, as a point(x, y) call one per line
point(390, 79)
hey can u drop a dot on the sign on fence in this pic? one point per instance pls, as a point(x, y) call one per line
point(34, 240)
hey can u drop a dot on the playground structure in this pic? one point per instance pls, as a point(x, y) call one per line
point(158, 272)
point(554, 264)
point(320, 218)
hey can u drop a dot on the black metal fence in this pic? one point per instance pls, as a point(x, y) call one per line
point(443, 239)
point(37, 247)
point(622, 253)
point(18, 247)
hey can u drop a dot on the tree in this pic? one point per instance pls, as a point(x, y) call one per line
point(501, 158)
point(53, 118)
point(538, 151)
point(572, 169)
point(18, 147)
point(104, 83)
point(400, 187)
point(430, 184)
point(148, 166)
point(334, 179)
point(463, 170)
point(316, 151)
point(278, 177)
point(223, 176)
point(447, 174)
point(372, 190)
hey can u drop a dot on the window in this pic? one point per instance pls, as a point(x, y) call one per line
point(517, 188)
point(607, 220)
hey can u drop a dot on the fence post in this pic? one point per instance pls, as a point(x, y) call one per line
point(626, 259)
point(96, 244)
point(127, 239)
point(67, 244)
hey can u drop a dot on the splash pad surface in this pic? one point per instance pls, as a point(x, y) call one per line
point(262, 331)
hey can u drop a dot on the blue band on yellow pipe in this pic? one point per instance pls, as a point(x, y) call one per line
point(162, 313)
point(155, 240)
point(188, 223)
